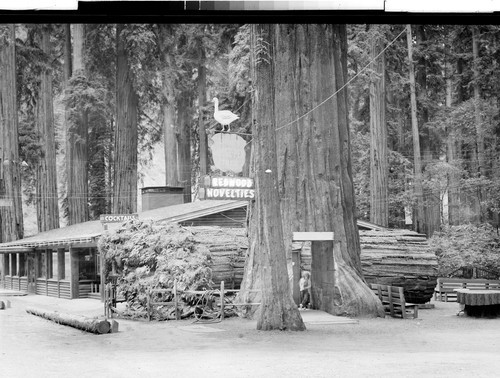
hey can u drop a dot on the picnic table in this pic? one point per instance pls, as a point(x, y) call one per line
point(479, 302)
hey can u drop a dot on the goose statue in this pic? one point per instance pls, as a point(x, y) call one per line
point(224, 117)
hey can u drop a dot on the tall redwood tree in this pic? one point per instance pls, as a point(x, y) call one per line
point(47, 206)
point(379, 167)
point(11, 212)
point(314, 164)
point(125, 159)
point(76, 131)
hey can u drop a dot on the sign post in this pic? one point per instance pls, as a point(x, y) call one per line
point(105, 219)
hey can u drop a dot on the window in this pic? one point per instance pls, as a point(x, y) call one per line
point(61, 264)
point(6, 263)
point(49, 261)
point(40, 264)
point(13, 264)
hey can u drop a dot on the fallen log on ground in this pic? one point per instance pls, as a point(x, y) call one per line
point(84, 323)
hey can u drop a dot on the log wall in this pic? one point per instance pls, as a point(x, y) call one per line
point(16, 283)
point(53, 288)
point(391, 257)
point(228, 249)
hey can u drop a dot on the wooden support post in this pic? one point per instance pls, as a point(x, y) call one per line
point(222, 300)
point(102, 274)
point(47, 272)
point(148, 304)
point(3, 267)
point(75, 274)
point(18, 260)
point(175, 301)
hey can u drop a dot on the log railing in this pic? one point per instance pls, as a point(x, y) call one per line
point(110, 300)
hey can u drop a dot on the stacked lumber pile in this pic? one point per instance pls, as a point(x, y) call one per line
point(228, 248)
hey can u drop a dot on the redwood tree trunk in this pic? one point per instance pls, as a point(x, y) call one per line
point(417, 159)
point(77, 139)
point(11, 212)
point(477, 120)
point(125, 159)
point(278, 310)
point(314, 163)
point(452, 156)
point(379, 170)
point(431, 199)
point(202, 97)
point(47, 207)
point(183, 148)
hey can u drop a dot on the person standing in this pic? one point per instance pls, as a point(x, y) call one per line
point(305, 290)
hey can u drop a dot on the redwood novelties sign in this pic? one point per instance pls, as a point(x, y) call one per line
point(241, 188)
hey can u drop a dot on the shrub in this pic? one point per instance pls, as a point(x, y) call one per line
point(467, 246)
point(152, 255)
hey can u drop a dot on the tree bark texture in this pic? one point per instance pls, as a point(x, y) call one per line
point(77, 139)
point(478, 122)
point(125, 159)
point(202, 98)
point(183, 143)
point(477, 100)
point(277, 309)
point(452, 148)
point(431, 199)
point(47, 206)
point(314, 164)
point(417, 159)
point(379, 170)
point(11, 212)
point(176, 126)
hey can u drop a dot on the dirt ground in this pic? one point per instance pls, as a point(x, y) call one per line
point(437, 344)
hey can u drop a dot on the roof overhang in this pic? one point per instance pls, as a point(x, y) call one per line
point(24, 245)
point(16, 250)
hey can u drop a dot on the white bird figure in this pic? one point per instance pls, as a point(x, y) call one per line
point(224, 117)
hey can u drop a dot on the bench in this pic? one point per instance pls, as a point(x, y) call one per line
point(393, 300)
point(445, 288)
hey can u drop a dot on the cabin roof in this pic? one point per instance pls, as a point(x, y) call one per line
point(88, 232)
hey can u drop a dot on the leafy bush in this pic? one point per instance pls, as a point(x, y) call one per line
point(467, 246)
point(150, 255)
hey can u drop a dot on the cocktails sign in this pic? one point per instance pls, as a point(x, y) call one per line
point(237, 188)
point(117, 218)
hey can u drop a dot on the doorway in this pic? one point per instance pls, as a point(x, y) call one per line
point(323, 272)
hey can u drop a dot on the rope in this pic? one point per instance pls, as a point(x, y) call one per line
point(345, 85)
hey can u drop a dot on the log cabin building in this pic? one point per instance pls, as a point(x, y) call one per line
point(65, 262)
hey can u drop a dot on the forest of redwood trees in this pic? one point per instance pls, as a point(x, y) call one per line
point(80, 102)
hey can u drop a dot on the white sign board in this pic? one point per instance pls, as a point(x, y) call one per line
point(309, 236)
point(228, 152)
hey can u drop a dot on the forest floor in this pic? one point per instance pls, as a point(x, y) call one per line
point(437, 344)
